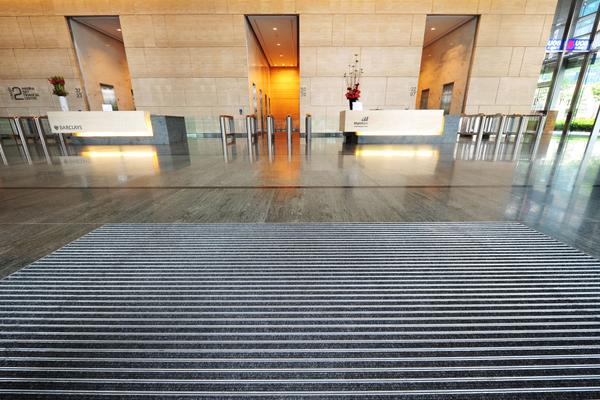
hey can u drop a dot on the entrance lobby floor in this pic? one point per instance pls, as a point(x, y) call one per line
point(46, 206)
point(436, 311)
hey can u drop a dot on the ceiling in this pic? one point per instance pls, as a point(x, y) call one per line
point(281, 44)
point(110, 26)
point(439, 25)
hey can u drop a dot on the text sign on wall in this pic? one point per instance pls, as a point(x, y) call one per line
point(23, 93)
point(578, 45)
point(554, 45)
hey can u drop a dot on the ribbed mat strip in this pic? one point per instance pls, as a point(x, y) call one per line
point(490, 310)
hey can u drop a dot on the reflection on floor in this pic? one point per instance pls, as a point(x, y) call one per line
point(45, 206)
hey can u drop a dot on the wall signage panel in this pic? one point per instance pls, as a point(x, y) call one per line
point(578, 45)
point(23, 93)
point(554, 45)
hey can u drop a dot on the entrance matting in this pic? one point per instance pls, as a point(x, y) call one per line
point(341, 311)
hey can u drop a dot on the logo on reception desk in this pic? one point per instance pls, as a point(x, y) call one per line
point(578, 45)
point(68, 128)
point(363, 123)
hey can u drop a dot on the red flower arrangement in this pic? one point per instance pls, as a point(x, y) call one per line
point(353, 93)
point(59, 85)
point(352, 77)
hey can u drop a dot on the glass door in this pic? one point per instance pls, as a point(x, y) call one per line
point(566, 83)
point(588, 101)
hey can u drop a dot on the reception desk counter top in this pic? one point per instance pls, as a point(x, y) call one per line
point(118, 127)
point(398, 126)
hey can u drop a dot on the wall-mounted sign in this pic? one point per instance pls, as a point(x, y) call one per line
point(23, 93)
point(578, 45)
point(302, 91)
point(554, 45)
point(412, 91)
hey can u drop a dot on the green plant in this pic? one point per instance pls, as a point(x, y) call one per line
point(596, 91)
point(577, 125)
point(59, 85)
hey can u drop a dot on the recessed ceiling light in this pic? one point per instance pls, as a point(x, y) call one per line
point(278, 44)
point(433, 28)
point(275, 28)
point(281, 55)
point(118, 29)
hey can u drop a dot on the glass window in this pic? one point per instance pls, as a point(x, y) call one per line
point(589, 97)
point(566, 86)
point(560, 19)
point(546, 73)
point(584, 25)
point(539, 100)
point(588, 7)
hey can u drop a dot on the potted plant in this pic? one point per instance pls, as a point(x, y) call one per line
point(352, 81)
point(58, 83)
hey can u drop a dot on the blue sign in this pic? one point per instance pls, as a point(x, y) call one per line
point(578, 45)
point(554, 45)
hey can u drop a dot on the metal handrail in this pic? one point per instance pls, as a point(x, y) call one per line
point(308, 127)
point(502, 127)
point(288, 127)
point(62, 143)
point(270, 133)
point(469, 124)
point(12, 135)
point(31, 128)
point(251, 134)
point(16, 126)
point(251, 130)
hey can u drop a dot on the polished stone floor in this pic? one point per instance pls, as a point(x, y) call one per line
point(44, 206)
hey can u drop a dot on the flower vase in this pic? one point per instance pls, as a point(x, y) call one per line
point(351, 101)
point(64, 106)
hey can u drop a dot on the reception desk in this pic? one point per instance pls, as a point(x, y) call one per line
point(398, 126)
point(118, 127)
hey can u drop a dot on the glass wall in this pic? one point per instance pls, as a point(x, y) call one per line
point(569, 82)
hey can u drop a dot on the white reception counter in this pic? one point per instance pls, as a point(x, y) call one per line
point(386, 126)
point(118, 127)
point(101, 123)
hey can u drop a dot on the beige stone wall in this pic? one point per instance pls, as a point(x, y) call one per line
point(388, 36)
point(188, 57)
point(447, 60)
point(34, 47)
point(193, 65)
